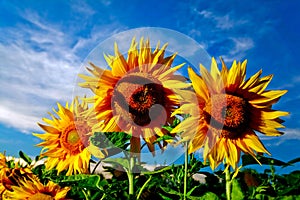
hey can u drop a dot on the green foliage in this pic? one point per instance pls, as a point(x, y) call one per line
point(236, 193)
point(166, 183)
point(105, 140)
point(208, 196)
point(174, 123)
point(25, 157)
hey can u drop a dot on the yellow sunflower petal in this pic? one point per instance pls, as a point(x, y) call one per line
point(198, 84)
point(253, 142)
point(119, 64)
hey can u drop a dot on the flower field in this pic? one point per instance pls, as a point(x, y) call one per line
point(93, 147)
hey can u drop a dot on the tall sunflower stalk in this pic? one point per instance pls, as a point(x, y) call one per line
point(186, 160)
point(228, 183)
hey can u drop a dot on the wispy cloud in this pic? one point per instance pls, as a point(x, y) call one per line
point(221, 34)
point(39, 66)
point(38, 22)
point(223, 22)
point(228, 31)
point(239, 50)
point(81, 7)
point(106, 2)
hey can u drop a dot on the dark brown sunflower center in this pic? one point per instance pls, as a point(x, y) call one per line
point(39, 196)
point(134, 98)
point(141, 101)
point(228, 113)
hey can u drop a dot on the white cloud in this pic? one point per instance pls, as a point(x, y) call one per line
point(239, 50)
point(106, 2)
point(224, 36)
point(39, 67)
point(40, 23)
point(241, 45)
point(222, 22)
point(82, 7)
point(23, 122)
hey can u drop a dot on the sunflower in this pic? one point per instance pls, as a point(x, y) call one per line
point(11, 174)
point(137, 94)
point(3, 171)
point(66, 139)
point(231, 110)
point(33, 189)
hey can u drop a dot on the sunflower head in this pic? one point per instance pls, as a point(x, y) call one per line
point(33, 189)
point(10, 174)
point(231, 108)
point(138, 93)
point(66, 138)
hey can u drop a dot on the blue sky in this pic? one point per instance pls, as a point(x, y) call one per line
point(43, 43)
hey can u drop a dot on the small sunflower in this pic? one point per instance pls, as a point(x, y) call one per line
point(4, 171)
point(231, 110)
point(138, 93)
point(11, 175)
point(67, 138)
point(33, 189)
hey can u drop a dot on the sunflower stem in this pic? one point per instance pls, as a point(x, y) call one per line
point(228, 183)
point(143, 187)
point(131, 177)
point(104, 195)
point(185, 169)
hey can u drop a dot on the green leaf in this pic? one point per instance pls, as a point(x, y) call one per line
point(25, 157)
point(168, 128)
point(236, 193)
point(170, 191)
point(293, 178)
point(11, 164)
point(191, 191)
point(110, 139)
point(157, 171)
point(121, 161)
point(291, 197)
point(293, 161)
point(290, 184)
point(83, 181)
point(206, 196)
point(165, 197)
point(249, 160)
point(263, 196)
point(163, 138)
